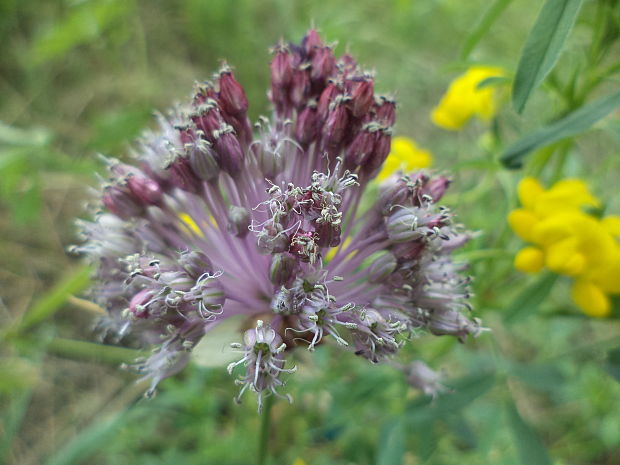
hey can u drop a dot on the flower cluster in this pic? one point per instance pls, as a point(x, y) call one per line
point(464, 99)
point(569, 241)
point(216, 219)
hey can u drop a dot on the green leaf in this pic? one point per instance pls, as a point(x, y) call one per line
point(47, 305)
point(482, 28)
point(528, 301)
point(83, 24)
point(530, 447)
point(392, 444)
point(612, 365)
point(575, 123)
point(492, 81)
point(543, 47)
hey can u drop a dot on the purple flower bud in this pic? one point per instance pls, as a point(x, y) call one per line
point(436, 188)
point(281, 68)
point(231, 153)
point(300, 87)
point(336, 124)
point(238, 221)
point(361, 148)
point(283, 268)
point(328, 96)
point(382, 267)
point(323, 65)
point(195, 263)
point(386, 112)
point(232, 96)
point(203, 160)
point(383, 142)
point(361, 91)
point(453, 323)
point(311, 42)
point(408, 250)
point(182, 175)
point(144, 188)
point(208, 118)
point(121, 202)
point(307, 126)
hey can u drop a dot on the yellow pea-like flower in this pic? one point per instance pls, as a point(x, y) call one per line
point(522, 222)
point(591, 299)
point(529, 260)
point(464, 100)
point(405, 156)
point(529, 191)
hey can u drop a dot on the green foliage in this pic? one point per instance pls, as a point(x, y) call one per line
point(543, 47)
point(82, 77)
point(571, 125)
point(531, 449)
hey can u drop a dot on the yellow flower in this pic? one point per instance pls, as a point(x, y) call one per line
point(530, 260)
point(405, 156)
point(299, 462)
point(463, 100)
point(591, 299)
point(569, 241)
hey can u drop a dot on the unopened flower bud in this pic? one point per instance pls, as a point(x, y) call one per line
point(231, 153)
point(307, 127)
point(452, 323)
point(283, 268)
point(361, 91)
point(195, 263)
point(361, 148)
point(382, 267)
point(311, 42)
point(281, 68)
point(232, 96)
point(424, 378)
point(323, 64)
point(383, 142)
point(436, 188)
point(121, 202)
point(204, 161)
point(238, 221)
point(386, 111)
point(144, 188)
point(328, 96)
point(182, 175)
point(300, 87)
point(336, 124)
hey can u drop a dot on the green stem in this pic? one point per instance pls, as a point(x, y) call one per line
point(265, 426)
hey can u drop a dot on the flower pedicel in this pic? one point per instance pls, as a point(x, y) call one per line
point(216, 219)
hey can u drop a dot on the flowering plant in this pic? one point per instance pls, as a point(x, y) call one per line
point(569, 241)
point(216, 220)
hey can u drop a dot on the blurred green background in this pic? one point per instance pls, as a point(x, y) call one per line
point(83, 77)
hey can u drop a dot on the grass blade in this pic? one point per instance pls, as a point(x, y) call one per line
point(486, 21)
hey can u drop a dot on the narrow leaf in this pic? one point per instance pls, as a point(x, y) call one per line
point(528, 301)
point(575, 123)
point(392, 445)
point(530, 447)
point(47, 305)
point(486, 21)
point(543, 47)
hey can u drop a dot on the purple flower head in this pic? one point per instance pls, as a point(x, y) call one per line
point(217, 220)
